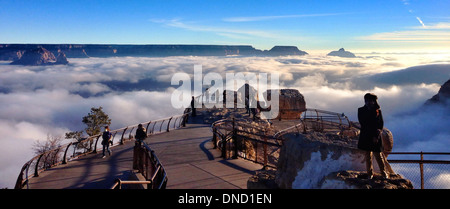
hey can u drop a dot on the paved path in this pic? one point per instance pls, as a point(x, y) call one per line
point(185, 153)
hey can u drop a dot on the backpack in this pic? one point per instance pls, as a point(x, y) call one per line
point(106, 135)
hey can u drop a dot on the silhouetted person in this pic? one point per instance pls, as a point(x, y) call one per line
point(140, 134)
point(106, 141)
point(194, 112)
point(371, 120)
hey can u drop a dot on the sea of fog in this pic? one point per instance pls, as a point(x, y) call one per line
point(39, 100)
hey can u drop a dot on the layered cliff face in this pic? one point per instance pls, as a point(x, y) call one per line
point(341, 53)
point(38, 56)
point(14, 51)
point(41, 56)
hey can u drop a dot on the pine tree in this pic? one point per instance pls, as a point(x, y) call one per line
point(95, 120)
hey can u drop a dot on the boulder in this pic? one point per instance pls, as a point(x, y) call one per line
point(291, 103)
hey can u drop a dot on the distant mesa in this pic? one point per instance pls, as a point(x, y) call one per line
point(13, 52)
point(285, 50)
point(341, 53)
point(40, 56)
point(442, 96)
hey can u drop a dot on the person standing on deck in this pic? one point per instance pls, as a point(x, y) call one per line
point(371, 120)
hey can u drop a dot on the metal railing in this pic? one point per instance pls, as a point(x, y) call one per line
point(320, 120)
point(88, 145)
point(419, 171)
point(236, 138)
point(149, 166)
point(118, 183)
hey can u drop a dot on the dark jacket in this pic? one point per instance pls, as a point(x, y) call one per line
point(371, 121)
point(140, 134)
point(106, 137)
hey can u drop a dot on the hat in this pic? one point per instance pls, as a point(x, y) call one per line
point(370, 96)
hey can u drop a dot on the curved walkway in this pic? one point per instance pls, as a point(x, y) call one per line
point(185, 153)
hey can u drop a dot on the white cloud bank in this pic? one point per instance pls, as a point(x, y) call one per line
point(36, 101)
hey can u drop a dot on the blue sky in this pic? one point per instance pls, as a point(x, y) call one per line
point(309, 24)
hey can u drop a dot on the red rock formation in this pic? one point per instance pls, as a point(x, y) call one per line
point(38, 56)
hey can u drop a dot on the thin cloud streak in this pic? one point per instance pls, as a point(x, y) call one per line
point(262, 18)
point(176, 23)
point(410, 36)
point(421, 22)
point(229, 32)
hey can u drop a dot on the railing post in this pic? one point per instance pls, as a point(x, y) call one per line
point(119, 184)
point(36, 173)
point(280, 114)
point(146, 129)
point(214, 137)
point(175, 123)
point(65, 154)
point(168, 124)
point(121, 139)
point(135, 156)
point(234, 137)
point(185, 119)
point(224, 147)
point(421, 171)
point(19, 182)
point(265, 152)
point(114, 135)
point(153, 128)
point(95, 147)
point(160, 127)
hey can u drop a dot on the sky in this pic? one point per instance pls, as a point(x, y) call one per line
point(41, 100)
point(383, 25)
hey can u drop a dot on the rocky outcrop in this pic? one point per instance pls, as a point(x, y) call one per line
point(341, 53)
point(442, 96)
point(263, 179)
point(307, 160)
point(291, 103)
point(359, 180)
point(61, 59)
